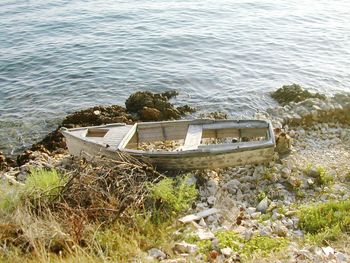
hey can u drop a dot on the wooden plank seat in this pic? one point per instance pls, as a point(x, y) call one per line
point(193, 137)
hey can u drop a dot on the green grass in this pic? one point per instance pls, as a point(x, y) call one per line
point(246, 248)
point(324, 222)
point(40, 186)
point(324, 178)
point(171, 196)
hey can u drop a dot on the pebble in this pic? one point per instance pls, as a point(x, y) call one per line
point(227, 251)
point(156, 253)
point(184, 247)
point(263, 205)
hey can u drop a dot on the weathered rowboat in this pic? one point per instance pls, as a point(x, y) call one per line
point(194, 144)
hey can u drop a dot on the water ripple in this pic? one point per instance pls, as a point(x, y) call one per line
point(59, 56)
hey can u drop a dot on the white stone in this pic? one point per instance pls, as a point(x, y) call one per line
point(250, 210)
point(198, 216)
point(156, 253)
point(328, 251)
point(255, 215)
point(204, 234)
point(226, 251)
point(202, 223)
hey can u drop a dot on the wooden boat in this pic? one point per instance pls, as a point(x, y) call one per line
point(184, 144)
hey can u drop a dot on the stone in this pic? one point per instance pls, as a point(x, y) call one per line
point(156, 253)
point(314, 172)
point(212, 186)
point(340, 257)
point(250, 210)
point(255, 215)
point(310, 182)
point(184, 247)
point(150, 114)
point(232, 186)
point(198, 216)
point(280, 230)
point(227, 251)
point(211, 200)
point(204, 234)
point(286, 172)
point(263, 205)
point(283, 143)
point(328, 251)
point(202, 223)
point(265, 231)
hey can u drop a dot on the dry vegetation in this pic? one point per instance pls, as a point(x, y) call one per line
point(89, 213)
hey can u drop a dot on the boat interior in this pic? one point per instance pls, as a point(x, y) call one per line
point(175, 136)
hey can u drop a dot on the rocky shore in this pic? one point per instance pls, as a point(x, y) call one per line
point(241, 214)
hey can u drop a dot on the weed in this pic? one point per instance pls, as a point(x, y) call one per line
point(324, 178)
point(308, 168)
point(325, 221)
point(40, 186)
point(42, 182)
point(268, 173)
point(265, 217)
point(257, 244)
point(171, 196)
point(261, 195)
point(10, 198)
point(263, 245)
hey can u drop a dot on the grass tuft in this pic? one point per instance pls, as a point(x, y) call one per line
point(325, 222)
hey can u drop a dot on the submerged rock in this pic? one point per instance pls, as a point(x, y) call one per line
point(155, 106)
point(294, 93)
point(97, 116)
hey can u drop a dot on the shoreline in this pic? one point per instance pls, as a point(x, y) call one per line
point(253, 203)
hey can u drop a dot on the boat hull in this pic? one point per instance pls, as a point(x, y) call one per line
point(190, 161)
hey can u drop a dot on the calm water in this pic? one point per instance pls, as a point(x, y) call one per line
point(62, 55)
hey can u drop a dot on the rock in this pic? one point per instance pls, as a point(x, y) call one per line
point(204, 234)
point(314, 172)
point(141, 102)
point(265, 231)
point(212, 186)
point(202, 223)
point(286, 172)
point(250, 210)
point(156, 253)
point(150, 114)
point(232, 186)
point(280, 230)
point(283, 143)
point(198, 216)
point(263, 205)
point(310, 182)
point(227, 251)
point(211, 200)
point(328, 251)
point(340, 257)
point(255, 215)
point(184, 247)
point(294, 93)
